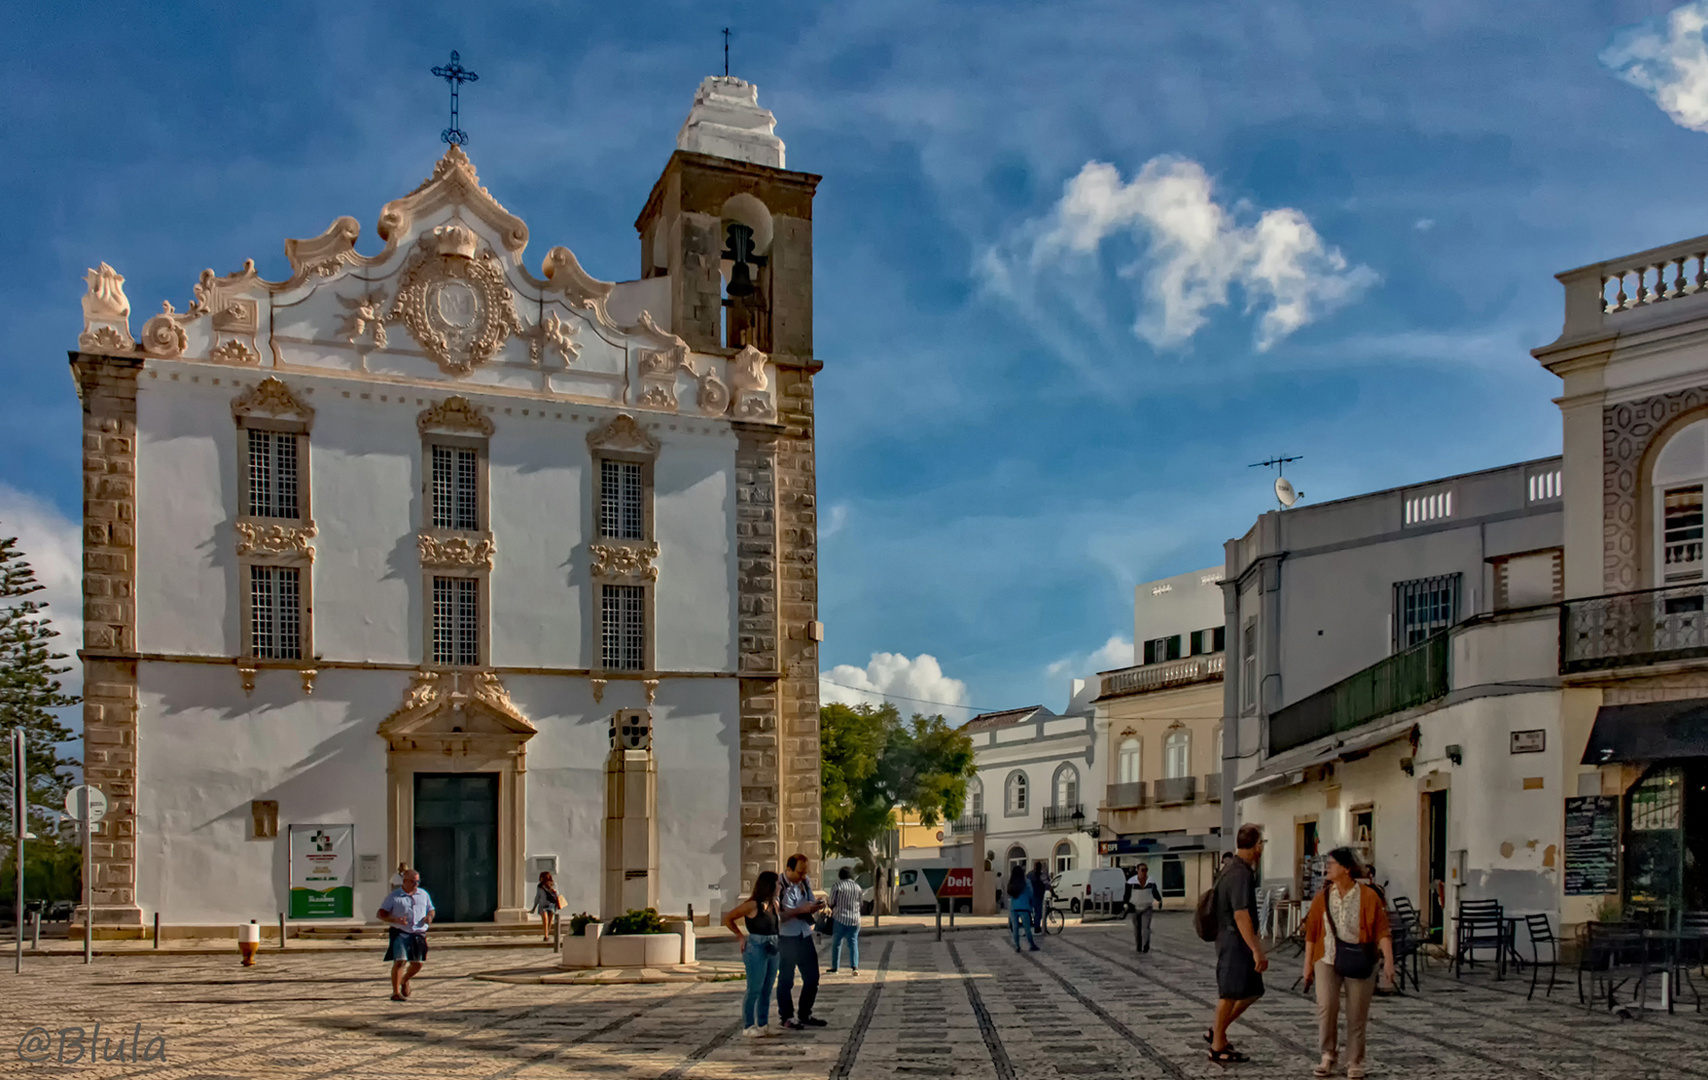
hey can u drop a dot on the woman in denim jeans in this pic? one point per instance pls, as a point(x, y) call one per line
point(1020, 907)
point(758, 946)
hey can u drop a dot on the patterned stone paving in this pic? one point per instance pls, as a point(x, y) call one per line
point(1085, 1007)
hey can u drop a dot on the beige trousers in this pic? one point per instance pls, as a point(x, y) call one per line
point(1358, 995)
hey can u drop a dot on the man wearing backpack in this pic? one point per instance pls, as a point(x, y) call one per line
point(1240, 959)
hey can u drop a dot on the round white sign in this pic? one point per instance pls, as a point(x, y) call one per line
point(74, 803)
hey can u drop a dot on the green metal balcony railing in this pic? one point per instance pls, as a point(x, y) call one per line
point(1404, 680)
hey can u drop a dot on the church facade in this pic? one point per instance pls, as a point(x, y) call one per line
point(488, 568)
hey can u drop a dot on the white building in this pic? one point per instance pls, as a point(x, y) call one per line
point(400, 541)
point(1029, 795)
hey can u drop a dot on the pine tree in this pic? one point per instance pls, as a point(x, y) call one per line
point(29, 692)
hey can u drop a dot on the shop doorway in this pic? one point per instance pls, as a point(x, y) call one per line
point(1435, 862)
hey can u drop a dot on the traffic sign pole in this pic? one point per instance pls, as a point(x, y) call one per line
point(88, 885)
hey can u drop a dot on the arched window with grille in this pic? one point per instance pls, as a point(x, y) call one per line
point(1128, 762)
point(1016, 794)
point(1177, 754)
point(1063, 857)
point(1067, 788)
point(975, 796)
point(1680, 471)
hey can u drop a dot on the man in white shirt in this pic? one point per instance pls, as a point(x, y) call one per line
point(1144, 898)
point(408, 911)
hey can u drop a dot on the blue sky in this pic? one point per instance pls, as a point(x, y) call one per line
point(1077, 265)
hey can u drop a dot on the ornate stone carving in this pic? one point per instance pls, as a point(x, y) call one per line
point(453, 182)
point(246, 678)
point(454, 414)
point(713, 398)
point(365, 317)
point(1627, 430)
point(619, 561)
point(753, 398)
point(622, 433)
point(579, 288)
point(659, 395)
point(289, 542)
point(106, 312)
point(651, 690)
point(234, 352)
point(457, 305)
point(324, 254)
point(162, 335)
point(271, 397)
point(308, 676)
point(456, 551)
point(756, 406)
point(451, 709)
point(556, 332)
point(598, 686)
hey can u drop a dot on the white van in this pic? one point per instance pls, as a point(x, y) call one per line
point(1101, 888)
point(922, 885)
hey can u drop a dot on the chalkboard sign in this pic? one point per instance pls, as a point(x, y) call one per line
point(1592, 845)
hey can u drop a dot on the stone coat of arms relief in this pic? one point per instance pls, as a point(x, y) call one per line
point(454, 300)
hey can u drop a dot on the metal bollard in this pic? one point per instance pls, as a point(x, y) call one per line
point(36, 939)
point(951, 914)
point(557, 933)
point(281, 931)
point(157, 929)
point(939, 922)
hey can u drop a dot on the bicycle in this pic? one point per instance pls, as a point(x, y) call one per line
point(1053, 922)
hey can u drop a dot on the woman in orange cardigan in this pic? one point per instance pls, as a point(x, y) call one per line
point(1347, 925)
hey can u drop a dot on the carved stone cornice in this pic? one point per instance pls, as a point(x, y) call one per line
point(271, 397)
point(454, 414)
point(624, 561)
point(448, 710)
point(623, 434)
point(282, 543)
point(454, 551)
point(453, 182)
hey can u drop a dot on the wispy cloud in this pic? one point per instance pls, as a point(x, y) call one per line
point(1192, 251)
point(1667, 59)
point(835, 522)
point(914, 685)
point(1115, 653)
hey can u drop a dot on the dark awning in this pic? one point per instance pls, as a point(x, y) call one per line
point(1649, 731)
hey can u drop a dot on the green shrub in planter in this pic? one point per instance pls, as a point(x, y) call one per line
point(638, 921)
point(578, 923)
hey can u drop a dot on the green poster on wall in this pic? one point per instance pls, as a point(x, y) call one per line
point(323, 871)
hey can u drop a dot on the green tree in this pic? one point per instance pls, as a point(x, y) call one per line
point(29, 694)
point(874, 763)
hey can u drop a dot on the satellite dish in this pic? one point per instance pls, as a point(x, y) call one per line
point(1284, 492)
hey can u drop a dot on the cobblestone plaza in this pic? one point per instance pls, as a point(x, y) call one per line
point(1086, 1006)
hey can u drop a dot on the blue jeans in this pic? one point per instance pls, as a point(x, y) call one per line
point(1020, 919)
point(839, 933)
point(760, 956)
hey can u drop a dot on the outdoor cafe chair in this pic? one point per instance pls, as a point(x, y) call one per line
point(1406, 927)
point(1481, 924)
point(1612, 955)
point(1542, 937)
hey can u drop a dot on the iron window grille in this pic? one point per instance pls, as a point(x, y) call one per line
point(275, 612)
point(456, 621)
point(623, 627)
point(456, 487)
point(1424, 607)
point(621, 500)
point(273, 474)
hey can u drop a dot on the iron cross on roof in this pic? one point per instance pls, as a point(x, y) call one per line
point(455, 74)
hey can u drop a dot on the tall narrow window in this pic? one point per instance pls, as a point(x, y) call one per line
point(456, 487)
point(1067, 787)
point(1177, 755)
point(621, 500)
point(275, 612)
point(1016, 793)
point(975, 796)
point(273, 474)
point(1681, 551)
point(1248, 666)
point(456, 621)
point(623, 627)
point(1129, 761)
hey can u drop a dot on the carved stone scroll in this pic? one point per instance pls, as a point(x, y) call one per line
point(454, 414)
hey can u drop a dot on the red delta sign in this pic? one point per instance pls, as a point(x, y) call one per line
point(957, 883)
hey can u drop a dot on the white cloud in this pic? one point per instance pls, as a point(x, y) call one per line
point(1423, 224)
point(53, 546)
point(916, 685)
point(1117, 652)
point(1193, 249)
point(1668, 60)
point(838, 518)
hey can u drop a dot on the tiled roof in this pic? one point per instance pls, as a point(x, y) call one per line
point(985, 721)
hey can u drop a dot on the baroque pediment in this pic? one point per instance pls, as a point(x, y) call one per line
point(447, 298)
point(454, 707)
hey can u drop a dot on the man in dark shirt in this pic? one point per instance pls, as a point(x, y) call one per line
point(1240, 959)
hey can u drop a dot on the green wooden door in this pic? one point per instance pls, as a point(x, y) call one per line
point(456, 843)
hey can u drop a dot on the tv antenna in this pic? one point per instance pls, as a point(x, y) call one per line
point(1285, 493)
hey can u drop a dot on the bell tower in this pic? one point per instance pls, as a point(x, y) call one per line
point(731, 230)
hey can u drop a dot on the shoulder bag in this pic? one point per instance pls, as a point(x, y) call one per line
point(1351, 960)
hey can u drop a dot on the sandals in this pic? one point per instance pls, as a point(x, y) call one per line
point(397, 997)
point(1229, 1056)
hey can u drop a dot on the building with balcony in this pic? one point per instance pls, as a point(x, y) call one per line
point(1158, 729)
point(1389, 649)
point(1031, 793)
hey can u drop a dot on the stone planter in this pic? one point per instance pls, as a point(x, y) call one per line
point(582, 952)
point(685, 930)
point(640, 950)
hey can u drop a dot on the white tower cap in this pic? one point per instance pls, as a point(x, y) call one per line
point(726, 121)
